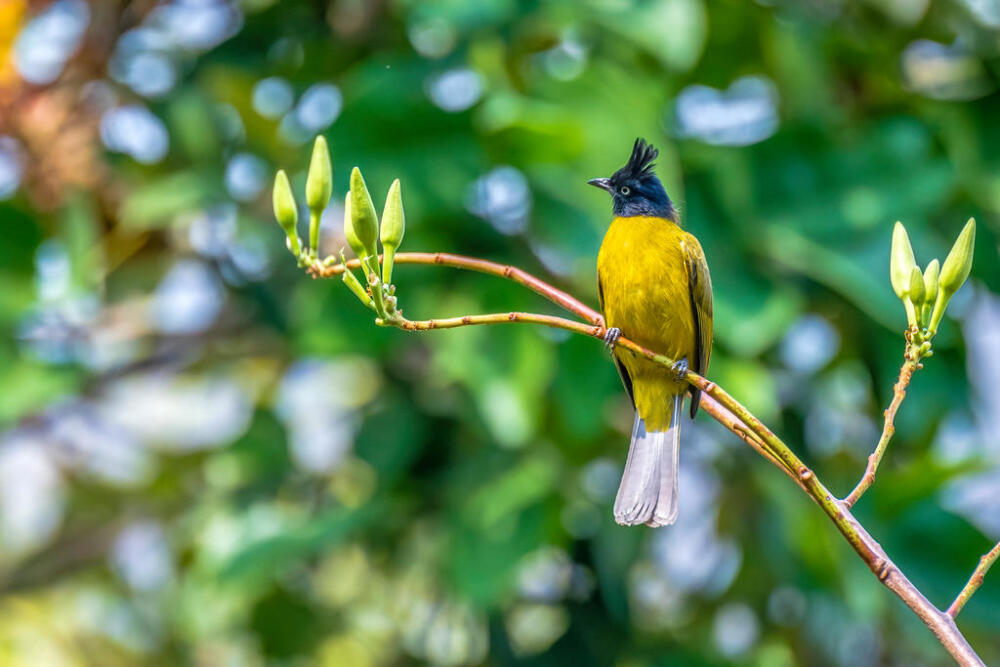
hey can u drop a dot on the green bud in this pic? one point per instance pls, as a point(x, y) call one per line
point(319, 182)
point(319, 185)
point(959, 261)
point(352, 238)
point(954, 272)
point(363, 217)
point(393, 227)
point(901, 261)
point(285, 210)
point(916, 290)
point(393, 219)
point(931, 282)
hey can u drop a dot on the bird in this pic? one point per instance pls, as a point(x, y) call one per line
point(655, 289)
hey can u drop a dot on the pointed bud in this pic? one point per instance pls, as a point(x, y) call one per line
point(363, 217)
point(393, 218)
point(285, 210)
point(901, 261)
point(959, 261)
point(931, 281)
point(954, 272)
point(352, 238)
point(916, 290)
point(319, 182)
point(393, 227)
point(319, 185)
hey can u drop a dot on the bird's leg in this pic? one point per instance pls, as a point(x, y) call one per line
point(611, 339)
point(680, 368)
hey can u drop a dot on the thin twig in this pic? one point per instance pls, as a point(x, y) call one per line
point(594, 330)
point(732, 415)
point(910, 365)
point(519, 276)
point(975, 581)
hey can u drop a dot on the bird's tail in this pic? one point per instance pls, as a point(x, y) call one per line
point(648, 490)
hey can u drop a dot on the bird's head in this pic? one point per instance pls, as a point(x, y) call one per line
point(635, 189)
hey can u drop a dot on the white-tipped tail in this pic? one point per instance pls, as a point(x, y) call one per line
point(648, 490)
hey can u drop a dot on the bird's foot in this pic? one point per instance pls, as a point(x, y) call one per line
point(680, 369)
point(611, 339)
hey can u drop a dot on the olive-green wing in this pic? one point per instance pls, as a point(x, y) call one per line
point(700, 290)
point(622, 371)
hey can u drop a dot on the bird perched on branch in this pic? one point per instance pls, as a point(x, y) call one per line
point(654, 288)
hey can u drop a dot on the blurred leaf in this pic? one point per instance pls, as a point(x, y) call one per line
point(265, 559)
point(158, 203)
point(27, 387)
point(515, 490)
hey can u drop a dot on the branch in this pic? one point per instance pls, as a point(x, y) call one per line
point(910, 365)
point(594, 330)
point(519, 276)
point(975, 581)
point(724, 408)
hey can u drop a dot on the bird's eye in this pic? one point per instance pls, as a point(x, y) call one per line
point(625, 190)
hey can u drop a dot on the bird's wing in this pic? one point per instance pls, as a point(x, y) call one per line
point(700, 290)
point(622, 371)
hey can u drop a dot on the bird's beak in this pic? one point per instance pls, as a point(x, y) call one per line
point(602, 183)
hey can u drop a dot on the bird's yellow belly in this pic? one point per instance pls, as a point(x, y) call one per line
point(644, 282)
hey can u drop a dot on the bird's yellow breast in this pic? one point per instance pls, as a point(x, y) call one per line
point(644, 284)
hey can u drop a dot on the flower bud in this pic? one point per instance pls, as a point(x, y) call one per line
point(285, 210)
point(352, 238)
point(954, 272)
point(319, 182)
point(931, 281)
point(363, 217)
point(959, 261)
point(901, 261)
point(319, 185)
point(393, 227)
point(916, 290)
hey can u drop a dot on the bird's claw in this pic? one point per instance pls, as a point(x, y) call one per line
point(680, 368)
point(611, 338)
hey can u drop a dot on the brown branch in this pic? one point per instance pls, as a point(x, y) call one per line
point(594, 330)
point(975, 581)
point(519, 276)
point(910, 365)
point(725, 409)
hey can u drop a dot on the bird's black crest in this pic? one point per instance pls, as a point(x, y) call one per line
point(635, 189)
point(640, 163)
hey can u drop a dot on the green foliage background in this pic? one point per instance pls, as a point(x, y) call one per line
point(467, 518)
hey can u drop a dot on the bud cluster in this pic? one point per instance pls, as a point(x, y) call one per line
point(925, 294)
point(362, 228)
